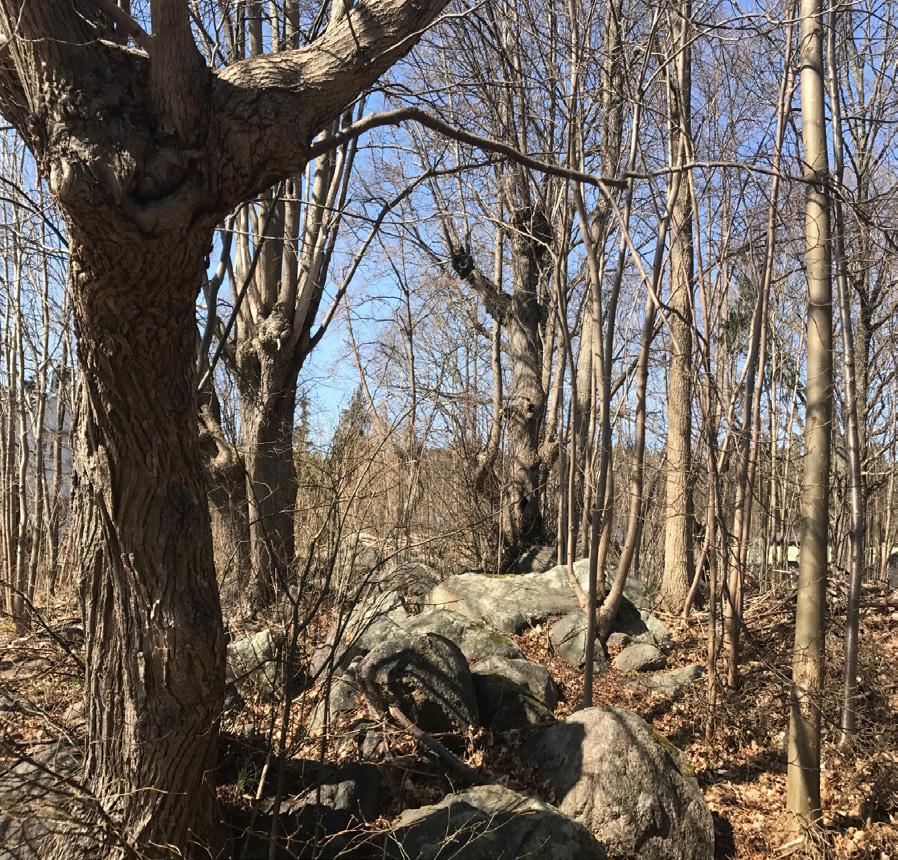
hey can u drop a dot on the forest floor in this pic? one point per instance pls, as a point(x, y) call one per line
point(741, 769)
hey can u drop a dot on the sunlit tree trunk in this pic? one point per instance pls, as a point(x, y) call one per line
point(803, 779)
point(678, 537)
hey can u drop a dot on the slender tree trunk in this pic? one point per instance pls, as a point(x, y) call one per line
point(268, 412)
point(678, 539)
point(857, 529)
point(803, 780)
point(228, 508)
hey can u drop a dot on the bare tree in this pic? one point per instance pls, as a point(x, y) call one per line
point(142, 190)
point(808, 656)
point(678, 540)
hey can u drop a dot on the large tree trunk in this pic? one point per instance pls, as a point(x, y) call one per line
point(146, 152)
point(155, 643)
point(527, 408)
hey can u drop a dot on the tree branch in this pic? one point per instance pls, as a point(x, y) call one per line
point(434, 745)
point(485, 144)
point(179, 72)
point(34, 34)
point(495, 299)
point(270, 107)
point(125, 24)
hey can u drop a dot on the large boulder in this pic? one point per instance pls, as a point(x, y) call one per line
point(476, 639)
point(537, 559)
point(514, 601)
point(252, 663)
point(656, 627)
point(413, 580)
point(489, 822)
point(612, 773)
point(533, 677)
point(313, 823)
point(509, 602)
point(339, 697)
point(374, 619)
point(640, 657)
point(426, 677)
point(635, 590)
point(568, 635)
point(513, 694)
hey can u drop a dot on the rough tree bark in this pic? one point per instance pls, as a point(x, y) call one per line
point(145, 153)
point(522, 313)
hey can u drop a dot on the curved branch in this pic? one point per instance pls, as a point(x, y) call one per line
point(486, 144)
point(270, 107)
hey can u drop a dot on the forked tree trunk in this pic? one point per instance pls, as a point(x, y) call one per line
point(155, 643)
point(146, 152)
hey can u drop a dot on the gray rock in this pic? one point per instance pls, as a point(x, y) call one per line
point(626, 784)
point(568, 635)
point(635, 590)
point(656, 627)
point(373, 620)
point(640, 626)
point(385, 619)
point(537, 559)
point(509, 602)
point(353, 790)
point(342, 697)
point(371, 742)
point(669, 683)
point(476, 639)
point(489, 822)
point(413, 580)
point(513, 694)
point(504, 706)
point(363, 739)
point(313, 823)
point(426, 677)
point(513, 601)
point(618, 640)
point(525, 673)
point(639, 657)
point(252, 664)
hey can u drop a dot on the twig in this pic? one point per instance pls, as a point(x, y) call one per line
point(126, 23)
point(434, 745)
